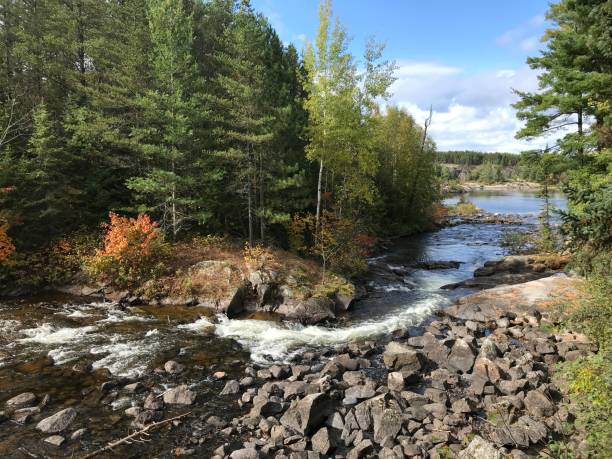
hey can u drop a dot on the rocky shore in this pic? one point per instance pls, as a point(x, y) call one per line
point(477, 381)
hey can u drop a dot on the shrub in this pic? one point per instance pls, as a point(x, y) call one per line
point(133, 251)
point(6, 244)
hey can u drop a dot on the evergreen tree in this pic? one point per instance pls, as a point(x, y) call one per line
point(166, 183)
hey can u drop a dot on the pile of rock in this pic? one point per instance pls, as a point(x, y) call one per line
point(460, 388)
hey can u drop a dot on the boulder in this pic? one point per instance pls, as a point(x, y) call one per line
point(323, 441)
point(55, 440)
point(429, 265)
point(308, 413)
point(538, 404)
point(387, 425)
point(173, 368)
point(479, 448)
point(24, 400)
point(461, 356)
point(153, 403)
point(245, 453)
point(231, 387)
point(362, 449)
point(57, 422)
point(180, 395)
point(400, 356)
point(395, 381)
point(311, 311)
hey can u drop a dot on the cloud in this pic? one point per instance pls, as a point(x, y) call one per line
point(472, 110)
point(523, 35)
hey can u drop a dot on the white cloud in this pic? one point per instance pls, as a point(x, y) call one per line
point(523, 36)
point(530, 44)
point(471, 110)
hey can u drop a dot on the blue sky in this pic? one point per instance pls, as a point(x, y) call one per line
point(462, 57)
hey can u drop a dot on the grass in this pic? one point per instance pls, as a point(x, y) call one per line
point(463, 209)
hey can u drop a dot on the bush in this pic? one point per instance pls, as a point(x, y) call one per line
point(133, 252)
point(6, 245)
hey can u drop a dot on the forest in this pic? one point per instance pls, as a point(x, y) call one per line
point(196, 114)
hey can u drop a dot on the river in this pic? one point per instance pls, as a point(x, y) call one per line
point(41, 339)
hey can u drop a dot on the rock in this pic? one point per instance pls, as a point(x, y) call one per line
point(395, 381)
point(387, 425)
point(153, 403)
point(24, 400)
point(173, 367)
point(538, 404)
point(231, 387)
point(305, 415)
point(58, 422)
point(218, 375)
point(398, 356)
point(322, 441)
point(361, 450)
point(311, 311)
point(180, 395)
point(279, 372)
point(133, 411)
point(55, 440)
point(429, 265)
point(245, 453)
point(461, 356)
point(359, 392)
point(78, 434)
point(464, 405)
point(438, 410)
point(262, 406)
point(487, 369)
point(479, 448)
point(146, 417)
point(134, 387)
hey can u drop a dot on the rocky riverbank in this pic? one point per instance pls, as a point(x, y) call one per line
point(479, 377)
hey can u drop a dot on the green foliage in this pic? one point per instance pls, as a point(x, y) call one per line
point(517, 242)
point(487, 173)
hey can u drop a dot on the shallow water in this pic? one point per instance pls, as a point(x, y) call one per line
point(42, 338)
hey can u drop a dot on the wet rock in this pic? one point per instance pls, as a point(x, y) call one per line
point(173, 368)
point(218, 375)
point(479, 448)
point(305, 415)
point(133, 411)
point(134, 388)
point(461, 357)
point(538, 404)
point(312, 311)
point(429, 265)
point(398, 356)
point(24, 400)
point(231, 387)
point(146, 417)
point(180, 395)
point(55, 440)
point(57, 422)
point(77, 434)
point(153, 403)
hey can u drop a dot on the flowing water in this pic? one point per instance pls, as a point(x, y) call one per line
point(41, 339)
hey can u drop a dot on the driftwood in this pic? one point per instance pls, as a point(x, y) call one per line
point(134, 437)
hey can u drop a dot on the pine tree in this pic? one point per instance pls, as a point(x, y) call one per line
point(166, 184)
point(49, 199)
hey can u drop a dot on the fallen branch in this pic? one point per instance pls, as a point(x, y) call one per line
point(134, 436)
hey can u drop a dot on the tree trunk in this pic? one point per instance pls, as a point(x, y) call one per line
point(250, 210)
point(415, 180)
point(262, 220)
point(318, 215)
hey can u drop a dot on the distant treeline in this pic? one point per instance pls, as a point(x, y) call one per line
point(476, 158)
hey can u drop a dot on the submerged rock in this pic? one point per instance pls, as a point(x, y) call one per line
point(24, 400)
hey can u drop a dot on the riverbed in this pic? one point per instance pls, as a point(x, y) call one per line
point(43, 340)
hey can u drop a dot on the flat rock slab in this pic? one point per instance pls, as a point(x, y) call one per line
point(494, 303)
